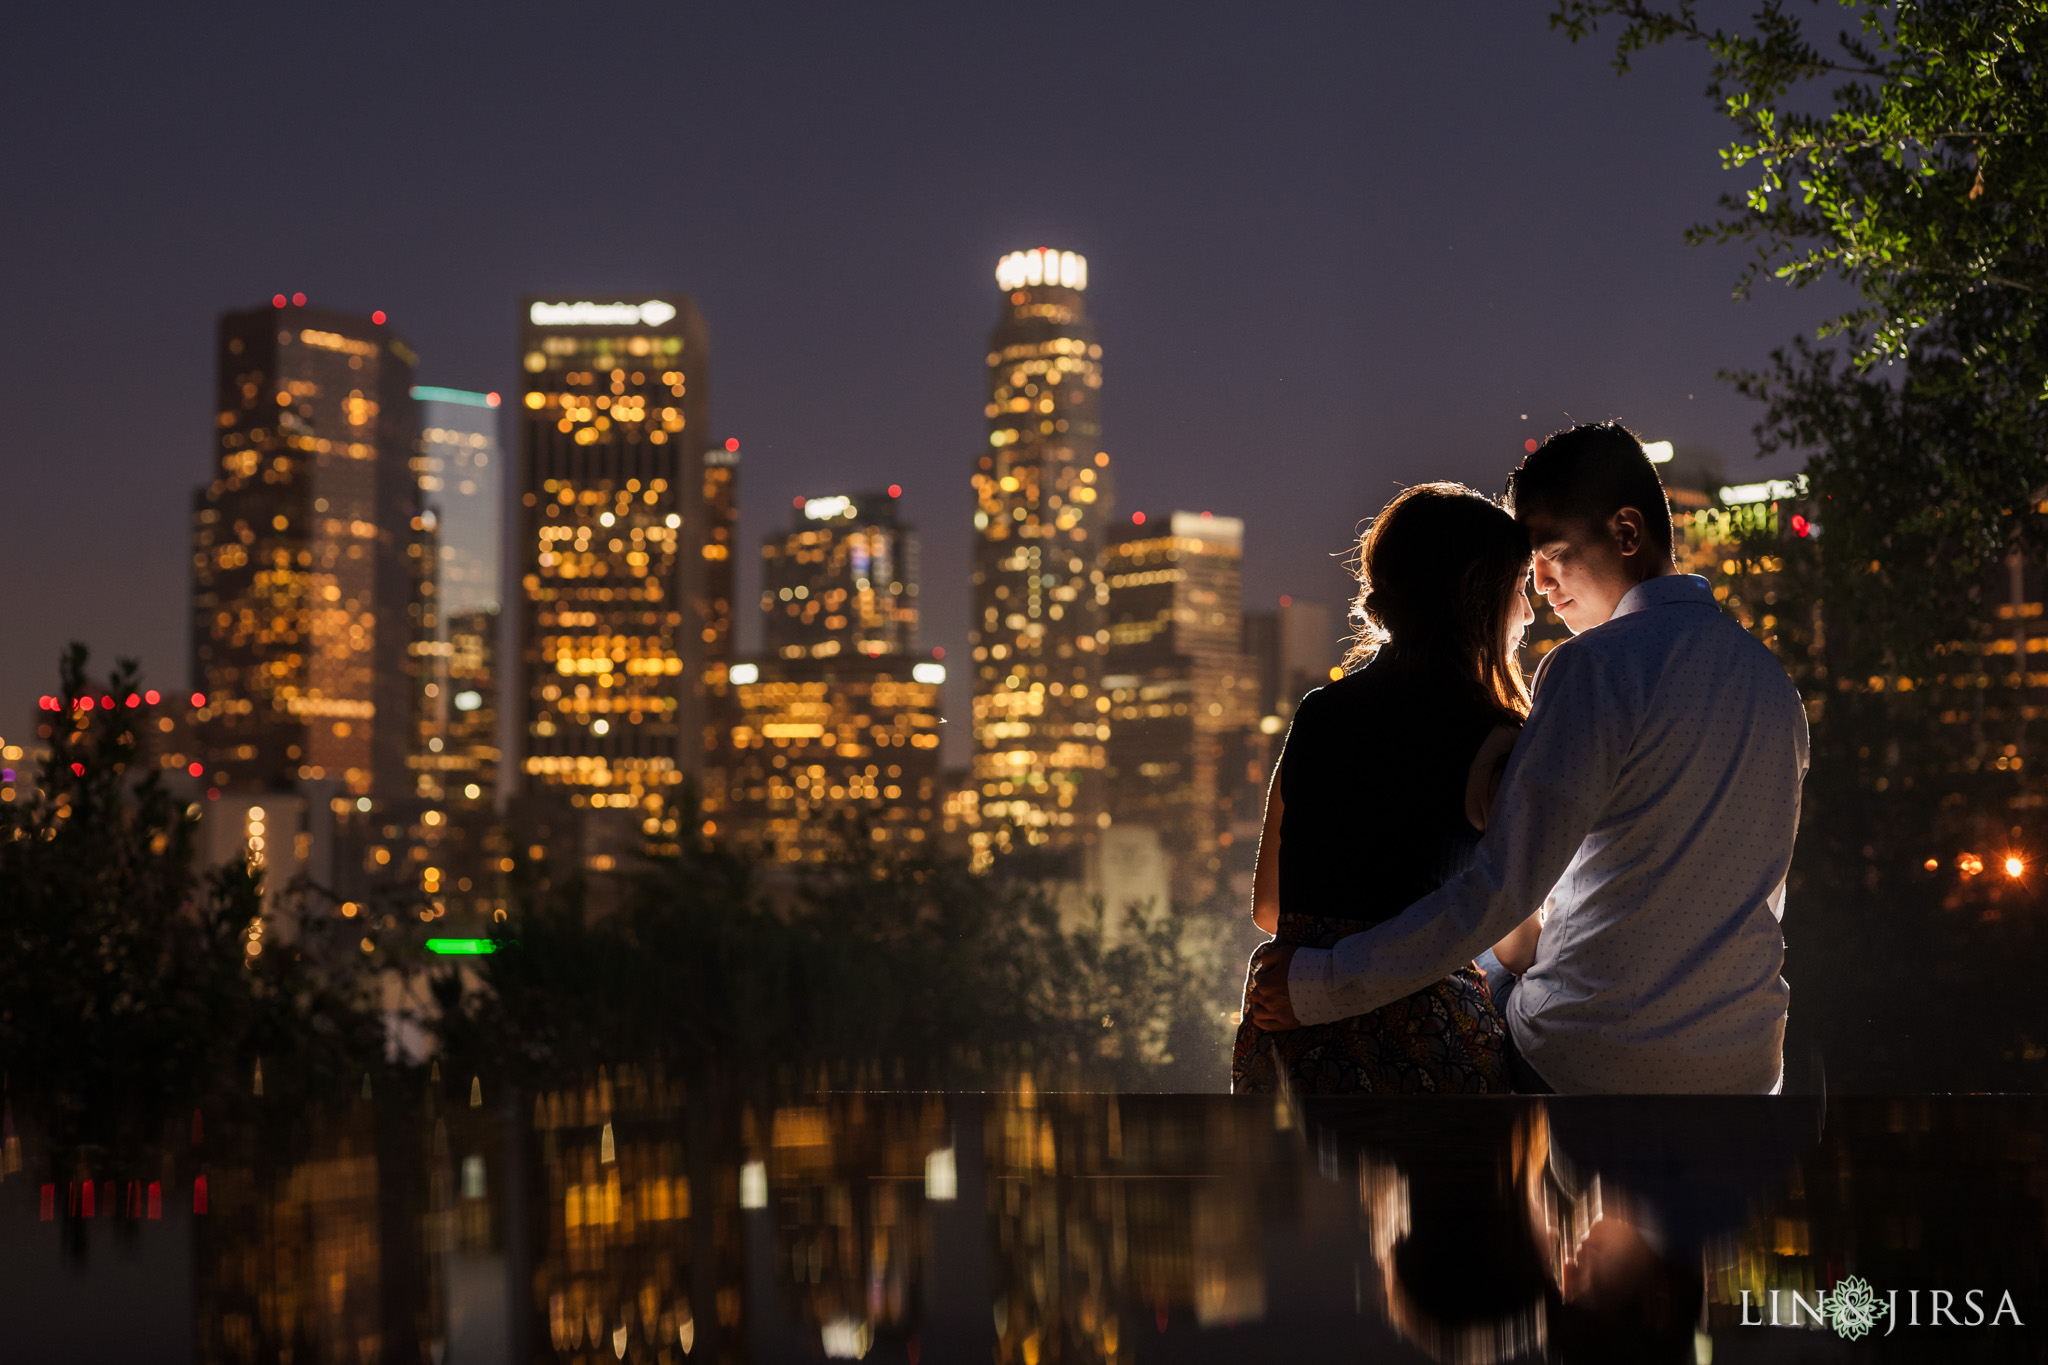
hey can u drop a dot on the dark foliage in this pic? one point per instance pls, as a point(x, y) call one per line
point(913, 971)
point(127, 991)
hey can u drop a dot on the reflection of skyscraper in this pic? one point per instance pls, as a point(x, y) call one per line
point(1042, 497)
point(290, 1258)
point(841, 580)
point(616, 623)
point(634, 1251)
point(1182, 692)
point(847, 1185)
point(1097, 1217)
point(307, 553)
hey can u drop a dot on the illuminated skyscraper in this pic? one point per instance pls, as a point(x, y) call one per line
point(841, 580)
point(1043, 495)
point(462, 473)
point(1183, 694)
point(838, 723)
point(818, 743)
point(618, 616)
point(716, 594)
point(310, 549)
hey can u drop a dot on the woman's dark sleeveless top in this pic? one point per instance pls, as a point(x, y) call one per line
point(1372, 782)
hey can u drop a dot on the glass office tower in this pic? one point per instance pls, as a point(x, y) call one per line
point(618, 617)
point(311, 557)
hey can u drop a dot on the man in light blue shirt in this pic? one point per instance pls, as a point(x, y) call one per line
point(1643, 829)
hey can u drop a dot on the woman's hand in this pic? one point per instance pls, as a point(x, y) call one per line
point(1265, 998)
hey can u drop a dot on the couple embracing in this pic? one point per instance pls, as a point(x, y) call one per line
point(1572, 886)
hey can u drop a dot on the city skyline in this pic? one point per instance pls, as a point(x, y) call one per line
point(1119, 679)
point(1392, 325)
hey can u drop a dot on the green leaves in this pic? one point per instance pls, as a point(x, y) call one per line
point(1917, 138)
point(1922, 172)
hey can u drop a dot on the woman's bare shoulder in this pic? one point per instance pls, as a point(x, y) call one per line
point(1483, 780)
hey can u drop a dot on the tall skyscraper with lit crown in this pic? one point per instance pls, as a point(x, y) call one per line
point(1043, 494)
point(617, 592)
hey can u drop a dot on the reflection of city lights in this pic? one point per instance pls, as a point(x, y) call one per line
point(1969, 864)
point(754, 1185)
point(1932, 863)
point(845, 1339)
point(941, 1176)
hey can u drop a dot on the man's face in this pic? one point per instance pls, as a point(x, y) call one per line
point(1583, 567)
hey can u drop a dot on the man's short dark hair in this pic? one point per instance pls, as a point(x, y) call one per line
point(1589, 472)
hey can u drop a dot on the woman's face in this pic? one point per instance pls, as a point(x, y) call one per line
point(1520, 616)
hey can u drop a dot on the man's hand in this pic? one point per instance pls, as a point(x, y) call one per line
point(1265, 996)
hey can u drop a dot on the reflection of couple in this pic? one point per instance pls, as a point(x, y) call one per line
point(1595, 1247)
point(1613, 855)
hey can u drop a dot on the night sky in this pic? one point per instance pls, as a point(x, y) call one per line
point(1332, 249)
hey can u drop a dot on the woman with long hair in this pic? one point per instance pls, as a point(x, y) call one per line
point(1382, 791)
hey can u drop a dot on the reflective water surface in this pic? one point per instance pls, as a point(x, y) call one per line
point(626, 1220)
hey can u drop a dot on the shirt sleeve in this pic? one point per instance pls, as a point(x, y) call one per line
point(1558, 780)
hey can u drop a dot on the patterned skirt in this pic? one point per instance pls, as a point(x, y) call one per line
point(1444, 1039)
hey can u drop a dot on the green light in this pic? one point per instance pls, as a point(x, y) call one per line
point(462, 947)
point(427, 393)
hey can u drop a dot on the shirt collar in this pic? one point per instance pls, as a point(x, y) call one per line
point(1665, 590)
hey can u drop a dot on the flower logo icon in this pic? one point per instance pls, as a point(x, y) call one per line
point(1852, 1307)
